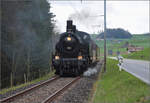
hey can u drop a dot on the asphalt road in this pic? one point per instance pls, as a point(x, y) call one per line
point(138, 68)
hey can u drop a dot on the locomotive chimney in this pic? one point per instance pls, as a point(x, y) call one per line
point(69, 25)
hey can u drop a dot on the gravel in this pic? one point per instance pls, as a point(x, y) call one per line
point(19, 90)
point(40, 94)
point(81, 91)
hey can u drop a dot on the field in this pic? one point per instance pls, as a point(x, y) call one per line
point(116, 86)
point(119, 45)
point(141, 55)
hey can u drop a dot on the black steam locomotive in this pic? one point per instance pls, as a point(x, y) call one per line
point(74, 52)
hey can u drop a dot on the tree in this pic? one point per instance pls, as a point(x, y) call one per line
point(116, 33)
point(27, 31)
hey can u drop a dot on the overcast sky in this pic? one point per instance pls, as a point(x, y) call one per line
point(130, 15)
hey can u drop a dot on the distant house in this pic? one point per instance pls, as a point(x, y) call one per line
point(132, 48)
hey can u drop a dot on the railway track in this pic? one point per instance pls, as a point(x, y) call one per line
point(42, 93)
point(57, 93)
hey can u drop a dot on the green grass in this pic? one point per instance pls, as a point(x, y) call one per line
point(141, 55)
point(49, 75)
point(120, 87)
point(116, 44)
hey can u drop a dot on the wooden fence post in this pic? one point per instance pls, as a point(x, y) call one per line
point(25, 78)
point(11, 79)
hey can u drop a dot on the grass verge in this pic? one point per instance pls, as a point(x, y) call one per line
point(141, 55)
point(120, 87)
point(3, 91)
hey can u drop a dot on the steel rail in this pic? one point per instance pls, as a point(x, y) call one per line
point(60, 91)
point(29, 89)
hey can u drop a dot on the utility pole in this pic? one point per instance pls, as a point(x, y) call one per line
point(104, 35)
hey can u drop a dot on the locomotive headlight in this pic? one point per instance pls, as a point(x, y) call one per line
point(68, 38)
point(79, 57)
point(56, 57)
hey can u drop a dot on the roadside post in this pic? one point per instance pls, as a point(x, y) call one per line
point(104, 35)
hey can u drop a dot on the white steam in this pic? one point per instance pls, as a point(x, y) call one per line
point(86, 18)
point(90, 71)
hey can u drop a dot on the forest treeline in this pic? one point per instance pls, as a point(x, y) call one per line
point(26, 40)
point(116, 33)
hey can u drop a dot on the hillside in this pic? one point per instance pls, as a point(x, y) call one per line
point(115, 33)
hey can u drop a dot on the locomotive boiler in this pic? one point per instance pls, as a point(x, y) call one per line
point(74, 52)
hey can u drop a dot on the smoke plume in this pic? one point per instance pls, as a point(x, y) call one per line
point(86, 18)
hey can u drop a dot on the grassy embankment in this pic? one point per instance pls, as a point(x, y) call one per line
point(46, 77)
point(141, 55)
point(120, 87)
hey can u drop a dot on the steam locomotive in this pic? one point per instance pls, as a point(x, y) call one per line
point(74, 52)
